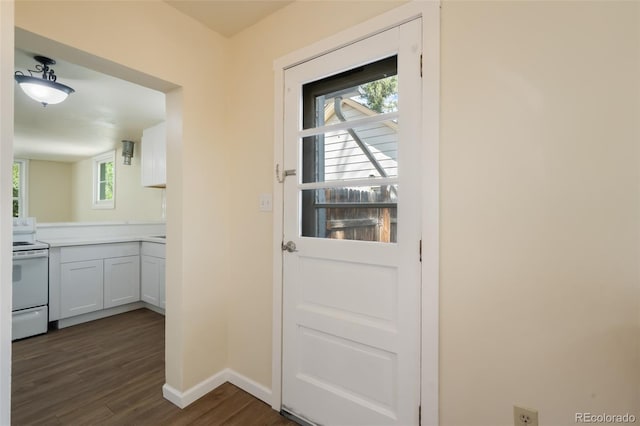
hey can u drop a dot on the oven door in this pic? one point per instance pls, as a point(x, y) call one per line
point(30, 279)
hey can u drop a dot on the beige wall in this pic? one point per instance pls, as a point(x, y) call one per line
point(540, 199)
point(254, 50)
point(540, 217)
point(63, 192)
point(133, 202)
point(50, 191)
point(164, 44)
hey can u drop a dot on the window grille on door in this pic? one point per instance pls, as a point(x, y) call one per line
point(350, 154)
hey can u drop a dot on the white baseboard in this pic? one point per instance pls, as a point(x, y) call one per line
point(183, 399)
point(250, 386)
point(172, 395)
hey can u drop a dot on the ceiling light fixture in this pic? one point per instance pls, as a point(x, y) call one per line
point(44, 90)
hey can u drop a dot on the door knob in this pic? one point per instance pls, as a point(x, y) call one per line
point(289, 246)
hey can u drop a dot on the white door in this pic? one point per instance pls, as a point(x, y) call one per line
point(351, 278)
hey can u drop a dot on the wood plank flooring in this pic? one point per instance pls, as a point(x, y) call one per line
point(111, 372)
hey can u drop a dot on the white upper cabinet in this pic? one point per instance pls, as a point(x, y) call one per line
point(154, 156)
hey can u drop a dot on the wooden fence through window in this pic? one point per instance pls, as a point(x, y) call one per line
point(364, 215)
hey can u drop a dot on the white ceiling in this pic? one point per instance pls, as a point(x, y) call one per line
point(104, 109)
point(227, 17)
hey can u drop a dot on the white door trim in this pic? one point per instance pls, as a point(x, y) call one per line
point(430, 13)
point(430, 215)
point(6, 235)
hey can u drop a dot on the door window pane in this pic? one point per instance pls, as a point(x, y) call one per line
point(371, 88)
point(352, 213)
point(364, 100)
point(369, 151)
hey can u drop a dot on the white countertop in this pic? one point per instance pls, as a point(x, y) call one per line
point(81, 241)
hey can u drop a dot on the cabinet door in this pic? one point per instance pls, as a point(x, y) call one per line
point(154, 153)
point(80, 287)
point(150, 279)
point(147, 147)
point(160, 157)
point(121, 281)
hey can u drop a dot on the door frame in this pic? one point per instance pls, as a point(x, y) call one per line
point(6, 231)
point(429, 11)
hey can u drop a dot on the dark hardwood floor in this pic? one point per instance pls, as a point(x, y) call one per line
point(111, 372)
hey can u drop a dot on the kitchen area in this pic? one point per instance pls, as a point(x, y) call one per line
point(89, 199)
point(64, 275)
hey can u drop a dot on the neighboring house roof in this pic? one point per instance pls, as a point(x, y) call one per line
point(344, 159)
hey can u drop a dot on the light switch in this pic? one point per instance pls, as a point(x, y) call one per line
point(266, 201)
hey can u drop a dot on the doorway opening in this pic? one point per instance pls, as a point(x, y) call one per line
point(30, 42)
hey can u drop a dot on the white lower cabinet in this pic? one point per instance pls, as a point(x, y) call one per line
point(121, 281)
point(96, 277)
point(89, 278)
point(152, 274)
point(81, 287)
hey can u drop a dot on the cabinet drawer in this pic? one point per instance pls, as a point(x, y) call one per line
point(29, 322)
point(98, 251)
point(153, 249)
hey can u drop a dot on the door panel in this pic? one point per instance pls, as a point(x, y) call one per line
point(340, 285)
point(351, 289)
point(356, 384)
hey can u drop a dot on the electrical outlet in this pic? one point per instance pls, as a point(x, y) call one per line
point(524, 416)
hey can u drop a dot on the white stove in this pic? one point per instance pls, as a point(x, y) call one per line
point(24, 235)
point(30, 314)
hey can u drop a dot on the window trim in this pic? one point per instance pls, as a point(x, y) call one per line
point(106, 157)
point(23, 191)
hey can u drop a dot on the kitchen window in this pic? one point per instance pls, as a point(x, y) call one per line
point(19, 192)
point(104, 180)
